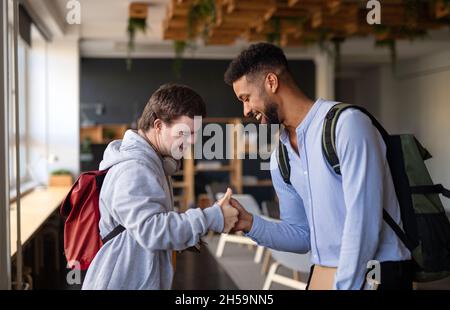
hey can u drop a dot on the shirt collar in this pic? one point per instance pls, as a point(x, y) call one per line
point(304, 124)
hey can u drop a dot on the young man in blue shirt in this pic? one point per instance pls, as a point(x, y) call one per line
point(338, 218)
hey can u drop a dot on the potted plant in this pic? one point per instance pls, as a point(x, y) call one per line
point(86, 150)
point(134, 25)
point(108, 135)
point(61, 177)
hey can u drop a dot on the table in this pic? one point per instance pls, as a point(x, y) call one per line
point(36, 207)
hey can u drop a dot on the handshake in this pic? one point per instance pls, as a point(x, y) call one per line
point(236, 218)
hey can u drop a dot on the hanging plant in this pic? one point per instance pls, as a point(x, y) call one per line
point(413, 9)
point(381, 32)
point(134, 25)
point(387, 36)
point(323, 41)
point(202, 11)
point(179, 47)
point(274, 36)
point(337, 42)
point(384, 38)
point(391, 44)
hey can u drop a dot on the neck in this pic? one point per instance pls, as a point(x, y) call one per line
point(150, 137)
point(295, 108)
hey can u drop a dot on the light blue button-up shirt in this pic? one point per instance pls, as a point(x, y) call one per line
point(338, 218)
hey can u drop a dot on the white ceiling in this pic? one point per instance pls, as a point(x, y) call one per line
point(104, 22)
point(108, 19)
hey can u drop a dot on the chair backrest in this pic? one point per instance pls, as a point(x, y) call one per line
point(298, 262)
point(247, 201)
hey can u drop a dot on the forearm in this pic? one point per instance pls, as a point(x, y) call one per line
point(176, 231)
point(280, 236)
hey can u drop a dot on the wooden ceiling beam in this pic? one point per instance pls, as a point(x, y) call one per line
point(441, 9)
point(255, 19)
point(176, 22)
point(175, 34)
point(250, 5)
point(220, 40)
point(298, 40)
point(138, 10)
point(176, 10)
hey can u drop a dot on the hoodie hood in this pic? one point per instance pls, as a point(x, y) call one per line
point(131, 147)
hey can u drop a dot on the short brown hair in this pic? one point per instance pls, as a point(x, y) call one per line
point(169, 102)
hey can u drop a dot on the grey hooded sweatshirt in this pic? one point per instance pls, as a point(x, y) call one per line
point(136, 195)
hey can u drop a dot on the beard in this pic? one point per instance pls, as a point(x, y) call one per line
point(271, 111)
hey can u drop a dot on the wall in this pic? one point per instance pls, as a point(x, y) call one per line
point(360, 86)
point(124, 93)
point(417, 100)
point(63, 103)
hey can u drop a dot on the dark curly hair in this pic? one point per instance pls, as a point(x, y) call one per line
point(169, 102)
point(256, 59)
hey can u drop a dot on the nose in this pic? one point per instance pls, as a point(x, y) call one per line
point(247, 110)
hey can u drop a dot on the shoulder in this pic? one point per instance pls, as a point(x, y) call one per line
point(356, 116)
point(136, 169)
point(355, 128)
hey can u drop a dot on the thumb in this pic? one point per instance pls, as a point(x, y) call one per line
point(235, 204)
point(226, 198)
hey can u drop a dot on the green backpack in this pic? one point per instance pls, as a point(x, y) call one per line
point(426, 228)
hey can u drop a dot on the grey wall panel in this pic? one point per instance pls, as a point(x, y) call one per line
point(125, 93)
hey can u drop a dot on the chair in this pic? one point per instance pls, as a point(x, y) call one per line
point(297, 262)
point(250, 204)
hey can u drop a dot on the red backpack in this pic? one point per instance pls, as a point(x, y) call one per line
point(82, 238)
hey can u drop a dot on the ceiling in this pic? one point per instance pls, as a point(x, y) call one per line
point(104, 23)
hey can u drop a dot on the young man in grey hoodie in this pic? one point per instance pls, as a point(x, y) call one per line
point(137, 194)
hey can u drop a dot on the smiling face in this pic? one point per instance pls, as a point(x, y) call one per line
point(175, 138)
point(257, 99)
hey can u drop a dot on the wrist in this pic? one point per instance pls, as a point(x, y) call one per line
point(249, 222)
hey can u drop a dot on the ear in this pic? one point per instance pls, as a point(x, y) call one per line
point(157, 124)
point(271, 83)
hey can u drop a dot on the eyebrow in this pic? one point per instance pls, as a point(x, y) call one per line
point(241, 96)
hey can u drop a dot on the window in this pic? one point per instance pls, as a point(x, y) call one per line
point(22, 71)
point(32, 102)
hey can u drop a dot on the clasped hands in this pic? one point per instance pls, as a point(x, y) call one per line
point(236, 218)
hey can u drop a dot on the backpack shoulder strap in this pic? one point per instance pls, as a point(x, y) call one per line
point(329, 135)
point(283, 163)
point(115, 232)
point(119, 228)
point(329, 132)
